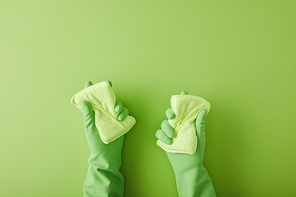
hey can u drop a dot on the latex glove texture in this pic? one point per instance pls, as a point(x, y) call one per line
point(103, 177)
point(191, 177)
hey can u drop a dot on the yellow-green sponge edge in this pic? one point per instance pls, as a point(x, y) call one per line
point(186, 109)
point(102, 99)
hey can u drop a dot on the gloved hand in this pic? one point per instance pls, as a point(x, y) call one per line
point(103, 177)
point(191, 177)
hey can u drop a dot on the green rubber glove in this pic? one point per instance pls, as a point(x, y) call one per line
point(191, 176)
point(103, 177)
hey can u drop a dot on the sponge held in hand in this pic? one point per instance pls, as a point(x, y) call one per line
point(102, 99)
point(186, 109)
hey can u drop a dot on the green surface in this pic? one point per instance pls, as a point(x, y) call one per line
point(238, 55)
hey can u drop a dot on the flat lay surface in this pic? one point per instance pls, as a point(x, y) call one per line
point(238, 55)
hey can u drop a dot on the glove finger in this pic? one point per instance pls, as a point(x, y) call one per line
point(91, 132)
point(87, 84)
point(110, 83)
point(184, 93)
point(118, 106)
point(167, 128)
point(88, 114)
point(163, 137)
point(123, 114)
point(200, 125)
point(201, 120)
point(170, 114)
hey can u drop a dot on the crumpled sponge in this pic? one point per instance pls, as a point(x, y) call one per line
point(102, 99)
point(186, 108)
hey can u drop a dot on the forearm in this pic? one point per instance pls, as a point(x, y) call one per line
point(103, 178)
point(195, 182)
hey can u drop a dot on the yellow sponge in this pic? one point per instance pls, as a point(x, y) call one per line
point(102, 99)
point(186, 108)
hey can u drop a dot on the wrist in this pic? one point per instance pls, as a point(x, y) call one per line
point(194, 182)
point(107, 159)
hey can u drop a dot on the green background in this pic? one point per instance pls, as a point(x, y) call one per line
point(239, 55)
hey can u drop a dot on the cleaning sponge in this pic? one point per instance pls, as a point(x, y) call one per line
point(103, 99)
point(186, 109)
